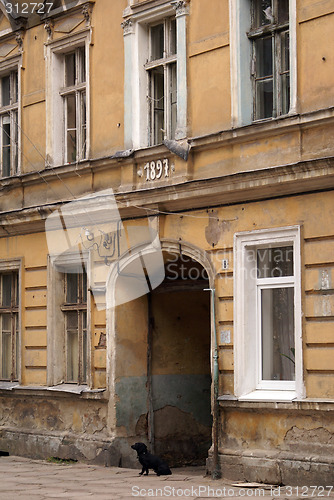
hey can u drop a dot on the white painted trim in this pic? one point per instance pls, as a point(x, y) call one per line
point(245, 312)
point(136, 50)
point(55, 136)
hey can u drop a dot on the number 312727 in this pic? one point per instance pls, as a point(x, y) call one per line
point(29, 8)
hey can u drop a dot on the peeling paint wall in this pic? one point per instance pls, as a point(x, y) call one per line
point(181, 380)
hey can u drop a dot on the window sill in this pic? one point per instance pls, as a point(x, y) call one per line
point(268, 395)
point(57, 390)
point(307, 404)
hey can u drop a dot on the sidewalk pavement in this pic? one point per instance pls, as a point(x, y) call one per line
point(23, 478)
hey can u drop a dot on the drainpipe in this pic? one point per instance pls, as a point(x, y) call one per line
point(150, 412)
point(216, 473)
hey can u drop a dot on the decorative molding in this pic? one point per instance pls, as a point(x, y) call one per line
point(19, 39)
point(181, 7)
point(127, 26)
point(87, 13)
point(48, 26)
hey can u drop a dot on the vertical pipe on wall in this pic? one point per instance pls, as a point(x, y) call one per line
point(150, 412)
point(216, 473)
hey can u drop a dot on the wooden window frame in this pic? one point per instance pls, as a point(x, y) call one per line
point(12, 268)
point(79, 307)
point(78, 91)
point(10, 111)
point(166, 64)
point(275, 32)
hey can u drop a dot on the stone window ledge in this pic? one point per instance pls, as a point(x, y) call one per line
point(307, 404)
point(61, 389)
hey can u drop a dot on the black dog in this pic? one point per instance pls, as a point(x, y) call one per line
point(149, 461)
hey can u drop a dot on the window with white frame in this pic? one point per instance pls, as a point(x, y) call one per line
point(268, 350)
point(9, 325)
point(161, 72)
point(9, 123)
point(68, 99)
point(155, 87)
point(68, 321)
point(263, 59)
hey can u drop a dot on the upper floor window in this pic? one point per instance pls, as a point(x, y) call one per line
point(263, 59)
point(162, 89)
point(155, 73)
point(74, 101)
point(269, 35)
point(9, 123)
point(9, 325)
point(67, 95)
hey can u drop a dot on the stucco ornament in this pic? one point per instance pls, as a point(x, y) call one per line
point(126, 257)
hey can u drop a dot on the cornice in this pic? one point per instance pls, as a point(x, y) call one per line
point(241, 187)
point(263, 129)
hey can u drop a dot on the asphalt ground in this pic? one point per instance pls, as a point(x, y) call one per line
point(23, 478)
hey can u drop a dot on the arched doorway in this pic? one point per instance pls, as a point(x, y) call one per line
point(159, 358)
point(179, 372)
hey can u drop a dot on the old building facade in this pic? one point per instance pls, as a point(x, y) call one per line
point(167, 233)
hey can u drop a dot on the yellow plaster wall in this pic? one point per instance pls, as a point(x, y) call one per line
point(209, 67)
point(315, 59)
point(107, 81)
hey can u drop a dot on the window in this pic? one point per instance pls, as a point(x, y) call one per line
point(263, 59)
point(269, 35)
point(75, 320)
point(74, 103)
point(9, 325)
point(67, 97)
point(9, 123)
point(68, 320)
point(161, 71)
point(155, 71)
point(268, 351)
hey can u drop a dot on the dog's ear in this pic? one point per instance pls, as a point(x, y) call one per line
point(142, 448)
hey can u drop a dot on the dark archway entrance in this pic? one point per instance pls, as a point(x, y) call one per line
point(179, 372)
